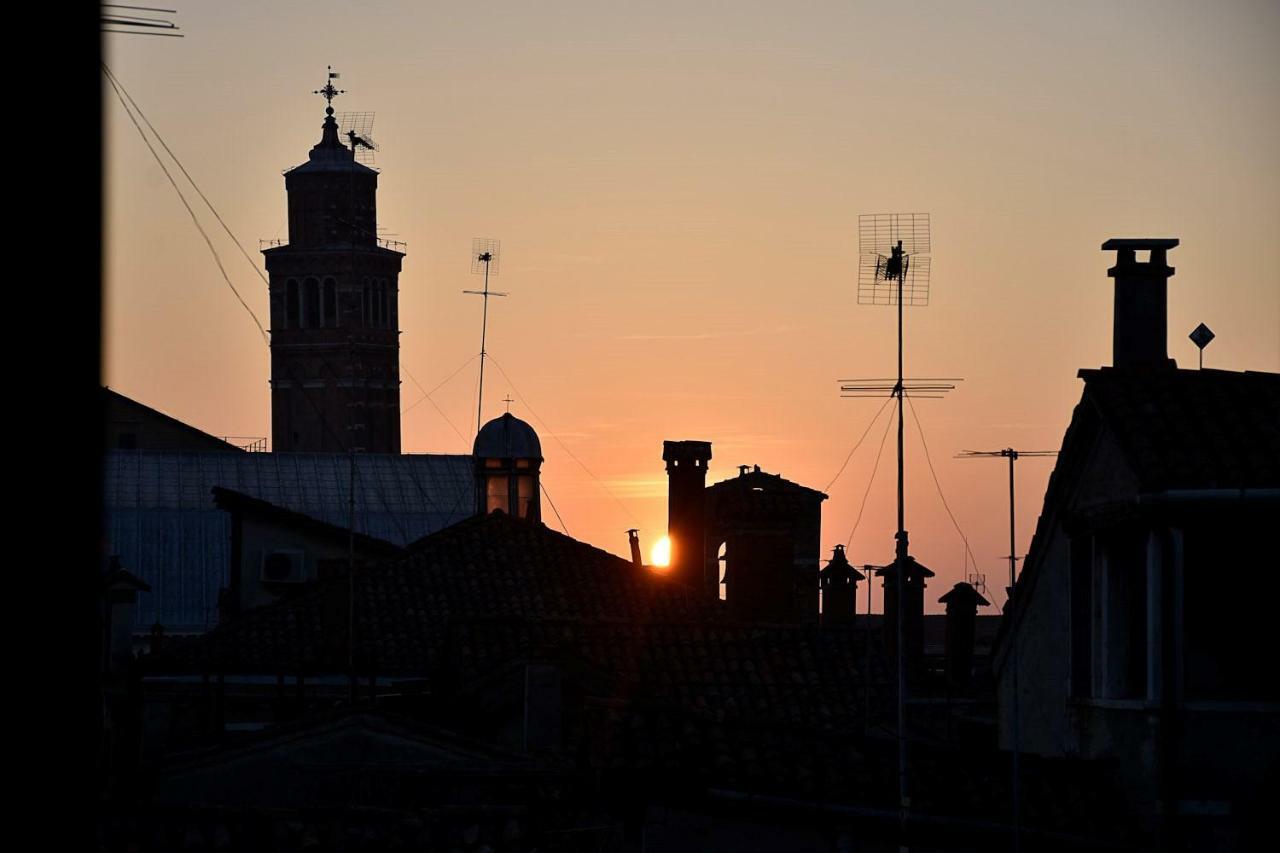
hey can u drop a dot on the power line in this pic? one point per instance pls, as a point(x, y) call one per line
point(553, 506)
point(218, 260)
point(858, 444)
point(550, 432)
point(426, 395)
point(938, 485)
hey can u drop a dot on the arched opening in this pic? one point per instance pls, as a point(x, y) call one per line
point(292, 312)
point(723, 563)
point(330, 303)
point(366, 314)
point(310, 304)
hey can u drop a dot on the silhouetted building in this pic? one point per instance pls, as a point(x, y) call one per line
point(161, 517)
point(1143, 603)
point(687, 509)
point(132, 426)
point(772, 573)
point(508, 458)
point(335, 348)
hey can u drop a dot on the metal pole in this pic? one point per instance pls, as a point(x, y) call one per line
point(1013, 563)
point(900, 560)
point(484, 328)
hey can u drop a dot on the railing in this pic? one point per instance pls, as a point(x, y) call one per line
point(393, 245)
point(251, 444)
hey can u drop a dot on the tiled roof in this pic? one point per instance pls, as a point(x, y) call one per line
point(762, 480)
point(1192, 428)
point(485, 566)
point(722, 673)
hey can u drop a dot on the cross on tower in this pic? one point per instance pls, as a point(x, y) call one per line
point(507, 399)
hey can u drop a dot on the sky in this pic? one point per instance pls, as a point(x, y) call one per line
point(677, 188)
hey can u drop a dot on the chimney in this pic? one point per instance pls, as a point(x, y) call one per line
point(686, 508)
point(839, 583)
point(912, 609)
point(633, 536)
point(1139, 337)
point(962, 615)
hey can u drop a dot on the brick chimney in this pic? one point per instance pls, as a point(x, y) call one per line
point(686, 508)
point(1140, 335)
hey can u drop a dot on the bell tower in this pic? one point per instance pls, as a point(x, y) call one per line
point(335, 348)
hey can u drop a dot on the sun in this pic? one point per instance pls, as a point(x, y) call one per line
point(660, 553)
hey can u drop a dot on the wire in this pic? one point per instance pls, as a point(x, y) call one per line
point(853, 449)
point(216, 258)
point(553, 506)
point(551, 432)
point(858, 521)
point(426, 395)
point(252, 263)
point(938, 485)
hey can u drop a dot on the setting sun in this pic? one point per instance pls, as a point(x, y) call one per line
point(660, 553)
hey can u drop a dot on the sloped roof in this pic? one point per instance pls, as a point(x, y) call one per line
point(758, 480)
point(1182, 429)
point(162, 521)
point(1177, 429)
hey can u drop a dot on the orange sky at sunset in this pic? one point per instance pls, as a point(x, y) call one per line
point(677, 187)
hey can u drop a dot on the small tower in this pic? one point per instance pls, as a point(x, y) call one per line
point(839, 584)
point(962, 603)
point(335, 341)
point(508, 458)
point(686, 508)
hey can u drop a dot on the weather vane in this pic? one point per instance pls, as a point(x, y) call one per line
point(329, 91)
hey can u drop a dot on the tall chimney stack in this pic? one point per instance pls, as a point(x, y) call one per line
point(1140, 332)
point(633, 536)
point(686, 508)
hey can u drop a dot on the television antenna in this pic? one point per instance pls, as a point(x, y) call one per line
point(1012, 455)
point(121, 19)
point(486, 255)
point(358, 127)
point(894, 270)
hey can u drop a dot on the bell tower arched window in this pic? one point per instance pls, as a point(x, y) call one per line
point(310, 304)
point(292, 311)
point(330, 303)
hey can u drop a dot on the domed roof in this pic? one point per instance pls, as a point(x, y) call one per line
point(507, 437)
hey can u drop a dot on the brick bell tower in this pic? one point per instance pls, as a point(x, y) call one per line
point(335, 348)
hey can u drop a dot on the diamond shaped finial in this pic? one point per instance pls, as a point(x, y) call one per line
point(1201, 336)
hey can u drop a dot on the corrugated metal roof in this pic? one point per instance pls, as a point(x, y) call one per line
point(161, 519)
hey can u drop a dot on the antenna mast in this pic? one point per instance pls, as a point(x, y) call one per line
point(1012, 455)
point(485, 256)
point(894, 270)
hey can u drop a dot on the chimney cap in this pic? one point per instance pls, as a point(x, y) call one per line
point(1140, 243)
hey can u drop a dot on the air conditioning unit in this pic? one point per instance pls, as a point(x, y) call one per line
point(283, 566)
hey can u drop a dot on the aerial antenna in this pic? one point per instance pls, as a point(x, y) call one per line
point(358, 128)
point(122, 20)
point(485, 256)
point(894, 270)
point(1201, 336)
point(1012, 455)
